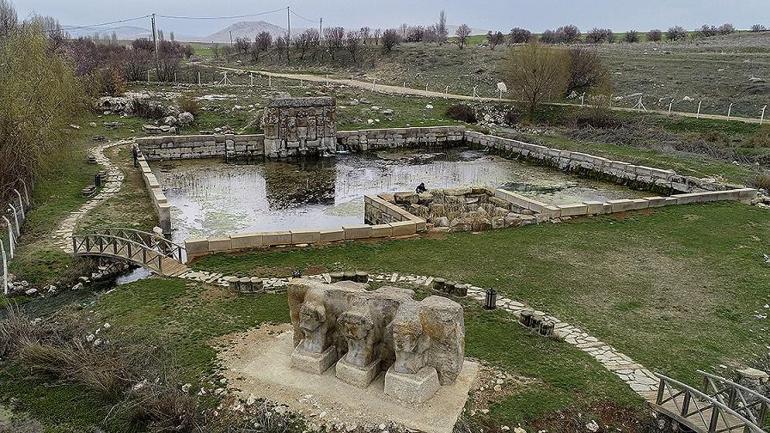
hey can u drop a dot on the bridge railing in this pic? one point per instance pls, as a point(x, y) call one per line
point(749, 403)
point(97, 244)
point(693, 403)
point(150, 240)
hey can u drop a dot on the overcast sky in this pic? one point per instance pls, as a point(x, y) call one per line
point(536, 15)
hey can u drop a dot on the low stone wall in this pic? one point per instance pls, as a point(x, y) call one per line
point(372, 139)
point(202, 146)
point(635, 176)
point(248, 241)
point(158, 198)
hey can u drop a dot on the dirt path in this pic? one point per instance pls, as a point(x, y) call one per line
point(397, 90)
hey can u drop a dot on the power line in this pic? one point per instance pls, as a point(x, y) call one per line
point(229, 17)
point(91, 26)
point(301, 17)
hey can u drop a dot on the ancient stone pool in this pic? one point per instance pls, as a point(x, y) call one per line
point(211, 198)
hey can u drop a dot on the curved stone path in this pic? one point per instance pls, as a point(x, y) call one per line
point(63, 235)
point(639, 379)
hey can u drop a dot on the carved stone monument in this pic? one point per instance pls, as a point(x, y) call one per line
point(300, 126)
point(420, 345)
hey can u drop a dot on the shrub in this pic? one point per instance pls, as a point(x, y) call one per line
point(520, 36)
point(761, 138)
point(598, 36)
point(568, 34)
point(655, 35)
point(536, 72)
point(707, 31)
point(512, 116)
point(631, 36)
point(756, 28)
point(587, 73)
point(761, 181)
point(147, 109)
point(189, 104)
point(110, 82)
point(461, 112)
point(390, 38)
point(495, 38)
point(726, 29)
point(676, 33)
point(549, 37)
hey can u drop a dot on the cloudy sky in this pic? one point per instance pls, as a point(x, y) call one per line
point(537, 15)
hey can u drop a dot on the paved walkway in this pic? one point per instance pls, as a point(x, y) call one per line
point(639, 379)
point(63, 235)
point(398, 90)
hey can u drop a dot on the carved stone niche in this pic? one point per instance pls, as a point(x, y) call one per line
point(420, 345)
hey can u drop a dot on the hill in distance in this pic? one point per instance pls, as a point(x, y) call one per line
point(122, 32)
point(247, 29)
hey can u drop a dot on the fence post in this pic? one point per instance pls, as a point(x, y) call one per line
point(21, 204)
point(729, 111)
point(26, 191)
point(15, 218)
point(670, 104)
point(762, 119)
point(5, 267)
point(714, 419)
point(10, 235)
point(446, 93)
point(697, 116)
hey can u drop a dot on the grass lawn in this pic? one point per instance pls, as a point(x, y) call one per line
point(676, 288)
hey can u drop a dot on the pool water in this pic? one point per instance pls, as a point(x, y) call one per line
point(211, 197)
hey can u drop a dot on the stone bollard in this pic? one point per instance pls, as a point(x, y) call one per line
point(536, 322)
point(349, 276)
point(461, 290)
point(244, 284)
point(449, 287)
point(546, 329)
point(337, 276)
point(526, 318)
point(232, 282)
point(438, 284)
point(361, 277)
point(257, 285)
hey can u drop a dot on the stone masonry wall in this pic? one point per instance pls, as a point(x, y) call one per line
point(300, 126)
point(372, 139)
point(202, 146)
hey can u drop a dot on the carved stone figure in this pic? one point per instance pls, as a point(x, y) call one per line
point(409, 341)
point(360, 331)
point(312, 320)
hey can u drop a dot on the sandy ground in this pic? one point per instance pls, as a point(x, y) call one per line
point(257, 363)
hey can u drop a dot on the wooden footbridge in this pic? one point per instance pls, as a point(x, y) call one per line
point(720, 406)
point(147, 250)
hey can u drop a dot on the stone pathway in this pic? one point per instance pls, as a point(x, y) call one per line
point(639, 379)
point(63, 235)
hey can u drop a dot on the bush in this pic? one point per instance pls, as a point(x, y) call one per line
point(587, 73)
point(707, 31)
point(676, 33)
point(568, 34)
point(189, 104)
point(147, 109)
point(761, 138)
point(655, 35)
point(757, 28)
point(549, 37)
point(512, 116)
point(598, 36)
point(761, 181)
point(520, 36)
point(461, 112)
point(726, 29)
point(390, 38)
point(631, 36)
point(110, 82)
point(535, 73)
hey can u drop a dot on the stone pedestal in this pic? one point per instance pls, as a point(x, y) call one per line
point(412, 388)
point(357, 376)
point(313, 362)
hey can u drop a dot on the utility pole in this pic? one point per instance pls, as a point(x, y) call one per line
point(155, 43)
point(321, 30)
point(288, 36)
point(231, 38)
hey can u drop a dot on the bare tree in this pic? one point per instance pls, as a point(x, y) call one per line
point(305, 41)
point(495, 39)
point(353, 44)
point(390, 39)
point(262, 43)
point(676, 33)
point(335, 37)
point(377, 36)
point(462, 35)
point(587, 72)
point(366, 33)
point(535, 72)
point(441, 29)
point(654, 35)
point(8, 18)
point(242, 45)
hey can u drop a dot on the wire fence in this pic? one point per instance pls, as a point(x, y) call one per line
point(16, 201)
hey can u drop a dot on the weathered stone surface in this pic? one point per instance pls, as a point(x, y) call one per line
point(371, 331)
point(412, 388)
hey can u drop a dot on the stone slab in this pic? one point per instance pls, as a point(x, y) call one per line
point(246, 241)
point(263, 368)
point(305, 236)
point(315, 363)
point(332, 235)
point(357, 232)
point(276, 238)
point(357, 376)
point(412, 388)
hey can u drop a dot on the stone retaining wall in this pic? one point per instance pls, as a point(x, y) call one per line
point(158, 198)
point(300, 126)
point(635, 176)
point(248, 241)
point(372, 139)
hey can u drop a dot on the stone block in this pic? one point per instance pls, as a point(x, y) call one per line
point(357, 376)
point(594, 207)
point(219, 244)
point(404, 228)
point(577, 209)
point(357, 232)
point(420, 224)
point(315, 363)
point(382, 231)
point(276, 238)
point(246, 241)
point(334, 235)
point(196, 247)
point(656, 201)
point(305, 237)
point(412, 388)
point(620, 205)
